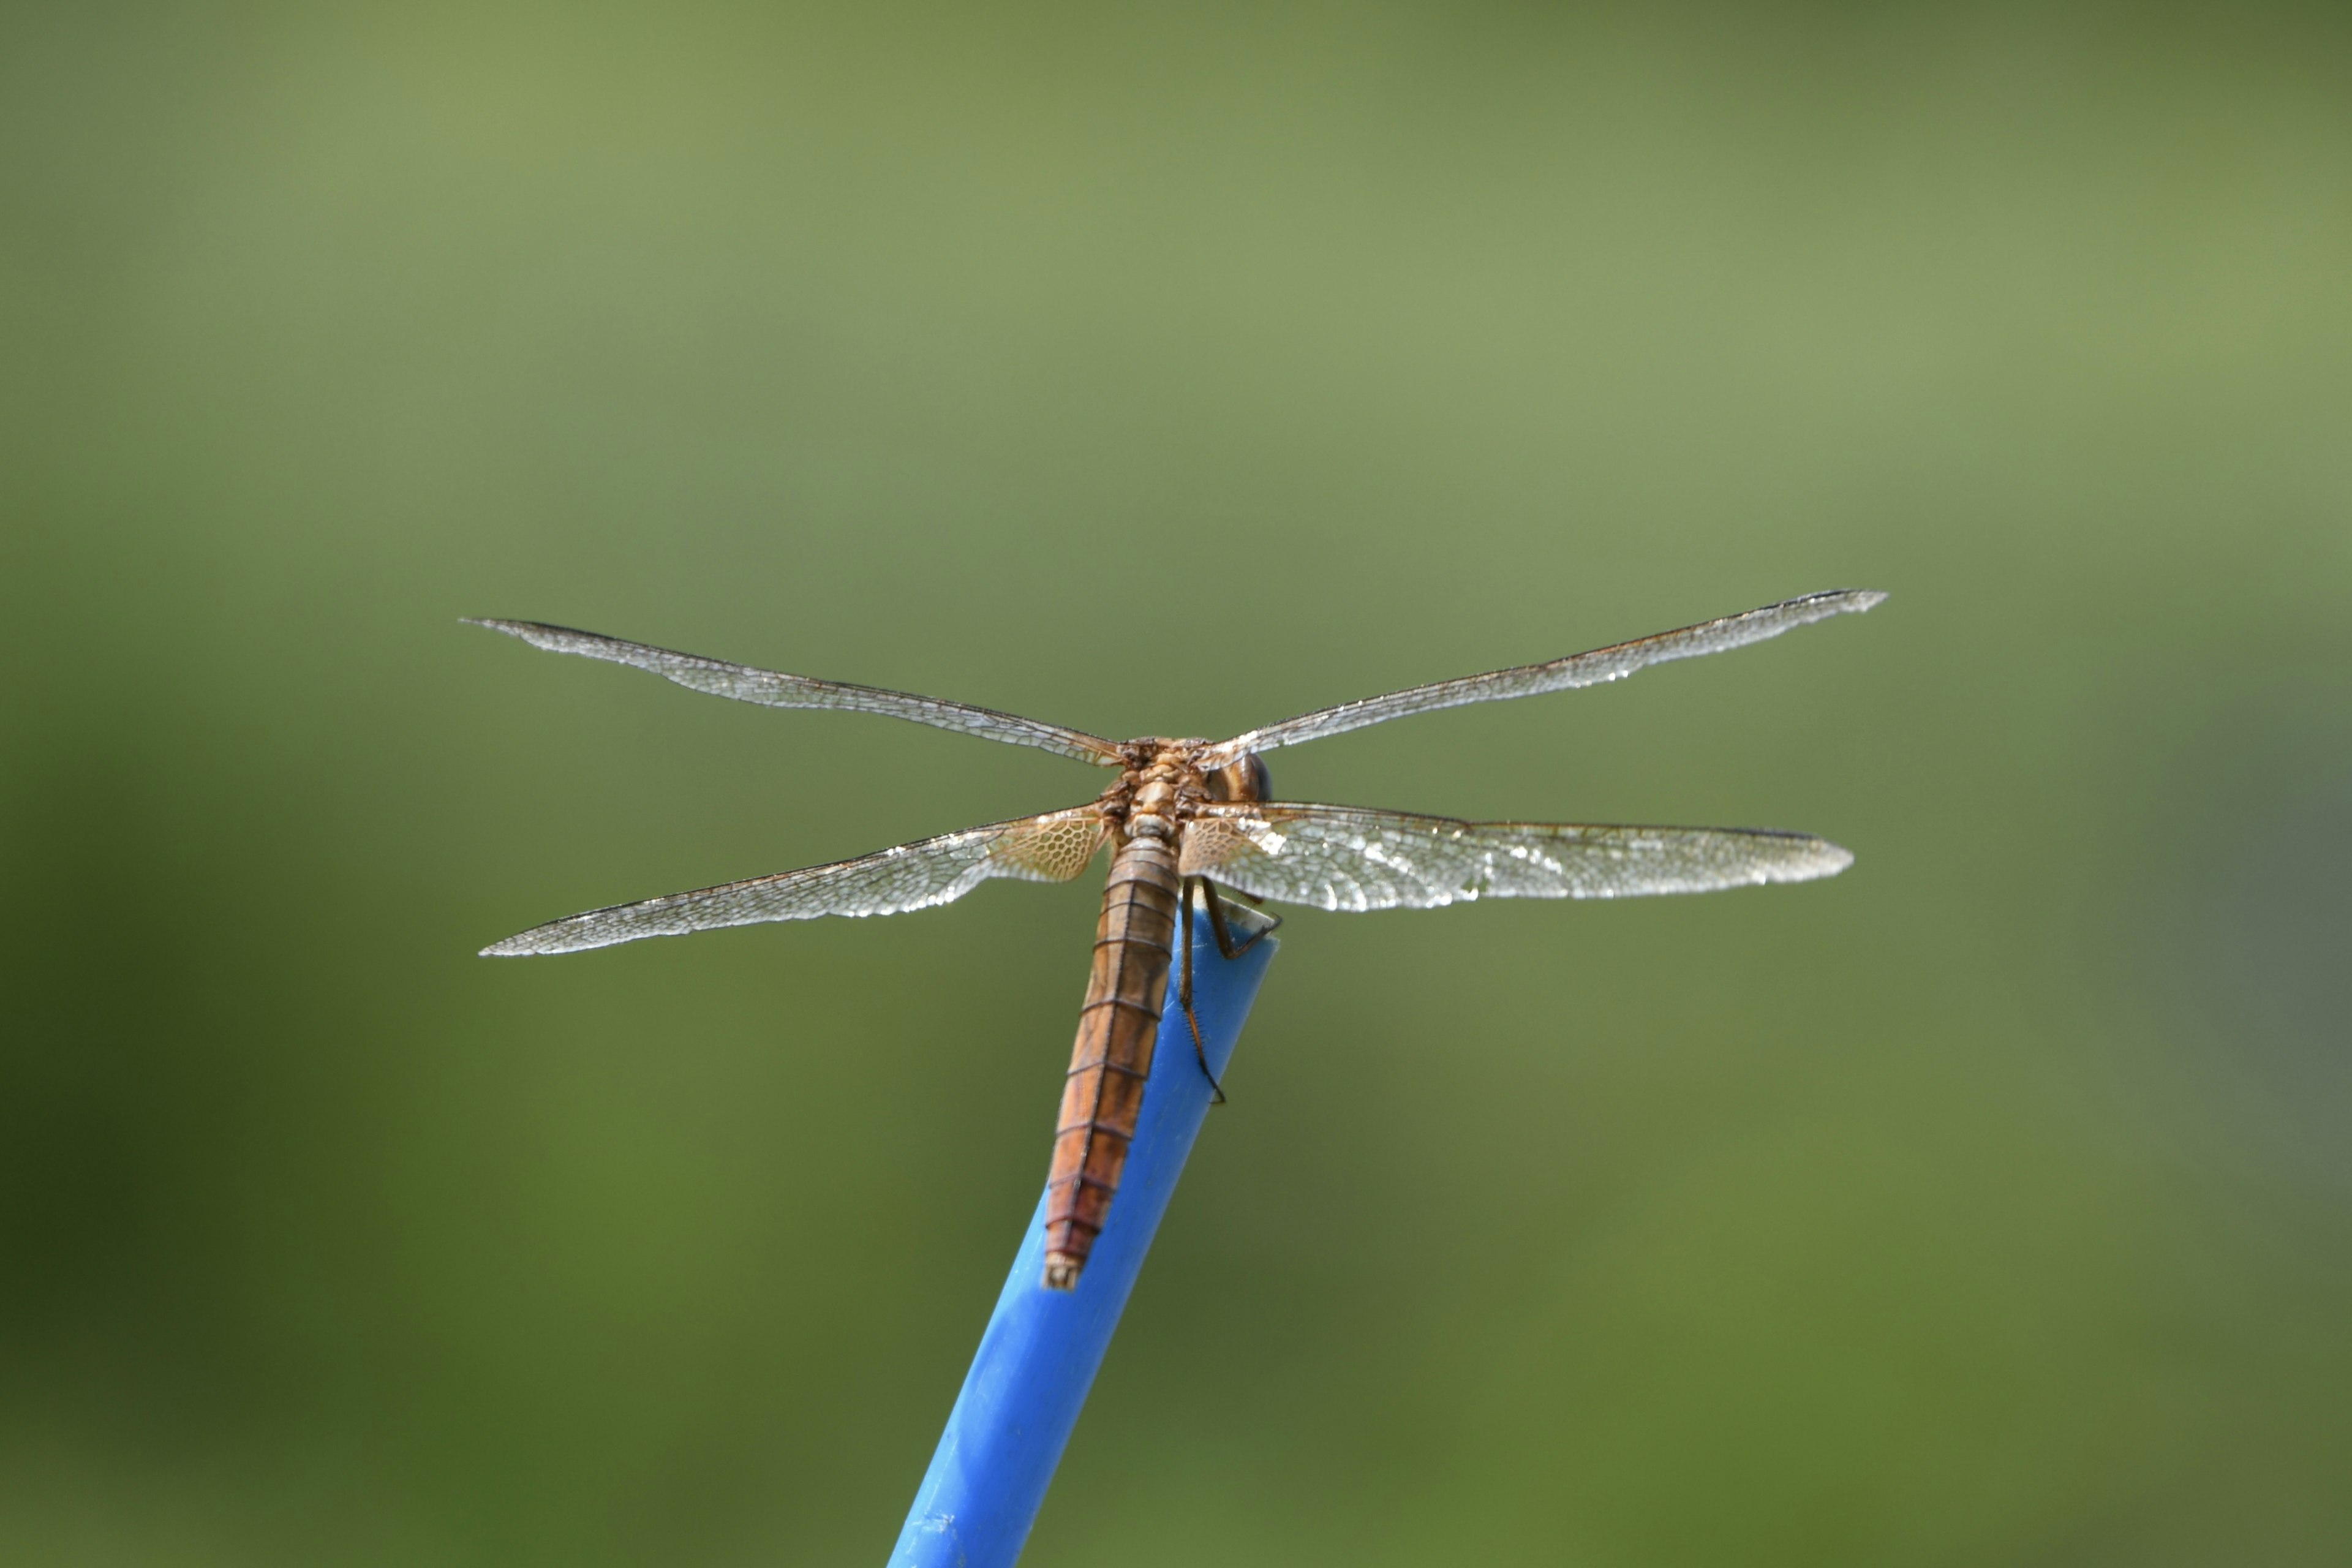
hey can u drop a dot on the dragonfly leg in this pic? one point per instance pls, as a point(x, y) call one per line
point(1225, 944)
point(1185, 991)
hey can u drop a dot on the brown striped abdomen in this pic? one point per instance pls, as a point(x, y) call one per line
point(1116, 1030)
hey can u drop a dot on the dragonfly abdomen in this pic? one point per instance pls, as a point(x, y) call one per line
point(1118, 1028)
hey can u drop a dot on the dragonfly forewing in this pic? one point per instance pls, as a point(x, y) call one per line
point(1054, 847)
point(1349, 857)
point(1612, 663)
point(773, 688)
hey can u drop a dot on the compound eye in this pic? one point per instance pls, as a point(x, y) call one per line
point(1243, 781)
point(1261, 779)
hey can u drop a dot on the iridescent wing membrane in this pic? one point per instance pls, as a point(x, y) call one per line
point(1054, 847)
point(1349, 858)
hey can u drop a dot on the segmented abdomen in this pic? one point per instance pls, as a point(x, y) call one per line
point(1116, 1030)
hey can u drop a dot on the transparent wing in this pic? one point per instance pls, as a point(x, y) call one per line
point(1054, 847)
point(774, 689)
point(1347, 858)
point(1528, 679)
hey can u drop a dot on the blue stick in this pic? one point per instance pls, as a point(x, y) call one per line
point(1040, 1354)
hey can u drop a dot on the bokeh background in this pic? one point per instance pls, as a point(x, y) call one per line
point(1156, 373)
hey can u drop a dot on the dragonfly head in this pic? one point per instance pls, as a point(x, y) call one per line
point(1245, 779)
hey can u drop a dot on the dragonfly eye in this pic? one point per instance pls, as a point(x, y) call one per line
point(1242, 780)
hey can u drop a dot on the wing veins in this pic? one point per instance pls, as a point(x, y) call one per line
point(1054, 847)
point(1355, 857)
point(773, 688)
point(1605, 664)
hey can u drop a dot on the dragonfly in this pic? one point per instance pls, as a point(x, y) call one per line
point(1188, 822)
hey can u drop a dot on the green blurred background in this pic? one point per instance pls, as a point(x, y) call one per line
point(1152, 372)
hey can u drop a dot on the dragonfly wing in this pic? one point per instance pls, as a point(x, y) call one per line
point(1054, 847)
point(1527, 681)
point(774, 689)
point(1347, 858)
